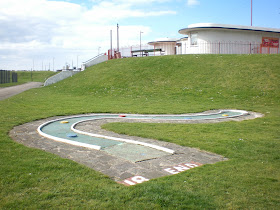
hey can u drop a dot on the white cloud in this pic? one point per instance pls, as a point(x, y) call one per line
point(43, 29)
point(107, 11)
point(191, 3)
point(135, 2)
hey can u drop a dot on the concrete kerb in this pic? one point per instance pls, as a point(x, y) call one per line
point(115, 167)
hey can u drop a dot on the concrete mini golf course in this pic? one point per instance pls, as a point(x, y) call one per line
point(128, 160)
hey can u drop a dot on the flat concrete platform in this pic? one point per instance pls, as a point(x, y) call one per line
point(111, 162)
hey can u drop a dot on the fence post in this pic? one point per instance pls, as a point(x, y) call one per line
point(8, 77)
point(250, 48)
point(14, 77)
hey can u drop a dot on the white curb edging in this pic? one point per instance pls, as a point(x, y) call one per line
point(96, 147)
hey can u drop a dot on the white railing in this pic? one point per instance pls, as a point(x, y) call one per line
point(95, 60)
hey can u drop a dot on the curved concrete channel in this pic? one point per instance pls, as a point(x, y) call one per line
point(128, 160)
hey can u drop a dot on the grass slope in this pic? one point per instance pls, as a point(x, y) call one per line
point(30, 178)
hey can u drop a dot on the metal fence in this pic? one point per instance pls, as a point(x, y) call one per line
point(229, 48)
point(6, 76)
point(131, 51)
point(200, 48)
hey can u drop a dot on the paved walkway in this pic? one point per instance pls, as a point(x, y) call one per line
point(14, 90)
point(117, 168)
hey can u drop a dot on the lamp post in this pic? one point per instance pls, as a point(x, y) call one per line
point(140, 44)
point(32, 70)
point(77, 62)
point(118, 38)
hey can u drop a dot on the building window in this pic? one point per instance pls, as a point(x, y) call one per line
point(193, 38)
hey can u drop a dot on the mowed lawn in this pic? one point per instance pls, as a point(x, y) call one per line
point(33, 179)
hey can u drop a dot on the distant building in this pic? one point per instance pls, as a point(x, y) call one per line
point(209, 38)
point(229, 39)
point(167, 46)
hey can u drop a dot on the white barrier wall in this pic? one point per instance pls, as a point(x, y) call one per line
point(60, 76)
point(96, 60)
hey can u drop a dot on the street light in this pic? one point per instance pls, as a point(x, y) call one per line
point(77, 68)
point(140, 44)
point(53, 63)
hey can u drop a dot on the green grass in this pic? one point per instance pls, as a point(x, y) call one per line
point(34, 179)
point(27, 76)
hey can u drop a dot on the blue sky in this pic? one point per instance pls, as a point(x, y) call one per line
point(43, 31)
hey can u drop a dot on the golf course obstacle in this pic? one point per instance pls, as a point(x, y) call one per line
point(127, 160)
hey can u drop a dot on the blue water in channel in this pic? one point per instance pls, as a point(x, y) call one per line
point(62, 130)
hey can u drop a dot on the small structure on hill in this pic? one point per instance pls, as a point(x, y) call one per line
point(166, 46)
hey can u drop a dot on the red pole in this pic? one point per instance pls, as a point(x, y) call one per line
point(111, 44)
point(251, 12)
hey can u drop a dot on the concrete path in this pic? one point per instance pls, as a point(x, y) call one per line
point(14, 90)
point(116, 167)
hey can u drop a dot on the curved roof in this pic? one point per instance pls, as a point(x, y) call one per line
point(202, 26)
point(163, 40)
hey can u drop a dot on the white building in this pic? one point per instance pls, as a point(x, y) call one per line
point(167, 46)
point(228, 39)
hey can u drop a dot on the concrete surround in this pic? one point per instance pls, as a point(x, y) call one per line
point(118, 169)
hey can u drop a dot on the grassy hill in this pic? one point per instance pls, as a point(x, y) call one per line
point(31, 178)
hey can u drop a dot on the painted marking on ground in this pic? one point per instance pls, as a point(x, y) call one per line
point(134, 180)
point(182, 167)
point(172, 170)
